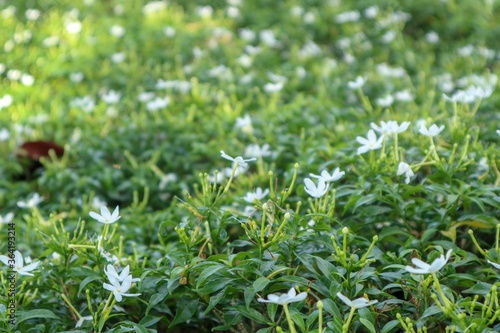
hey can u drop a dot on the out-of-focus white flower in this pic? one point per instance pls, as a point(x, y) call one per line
point(385, 70)
point(254, 150)
point(31, 202)
point(273, 87)
point(145, 96)
point(432, 37)
point(5, 101)
point(117, 31)
point(350, 16)
point(326, 177)
point(80, 321)
point(371, 12)
point(267, 37)
point(259, 194)
point(158, 103)
point(73, 27)
point(111, 97)
point(388, 37)
point(309, 18)
point(247, 34)
point(169, 31)
point(154, 7)
point(51, 41)
point(385, 101)
point(432, 131)
point(4, 134)
point(7, 218)
point(232, 12)
point(204, 11)
point(356, 84)
point(32, 14)
point(118, 57)
point(27, 80)
point(76, 77)
point(238, 160)
point(404, 96)
point(14, 74)
point(404, 168)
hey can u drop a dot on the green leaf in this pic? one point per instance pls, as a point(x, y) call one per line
point(185, 312)
point(86, 281)
point(260, 284)
point(331, 308)
point(480, 288)
point(431, 311)
point(366, 323)
point(214, 300)
point(207, 272)
point(149, 321)
point(252, 314)
point(389, 326)
point(297, 319)
point(140, 329)
point(40, 313)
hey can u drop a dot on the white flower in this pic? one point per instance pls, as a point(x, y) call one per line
point(273, 87)
point(80, 321)
point(118, 57)
point(267, 37)
point(111, 97)
point(287, 298)
point(358, 303)
point(404, 168)
point(254, 150)
point(117, 31)
point(158, 103)
point(106, 217)
point(432, 131)
point(497, 266)
point(358, 83)
point(431, 37)
point(18, 264)
point(76, 77)
point(113, 275)
point(316, 191)
point(350, 16)
point(498, 132)
point(5, 101)
point(7, 218)
point(238, 160)
point(247, 34)
point(393, 126)
point(370, 143)
point(73, 27)
point(27, 80)
point(104, 254)
point(4, 134)
point(404, 96)
point(32, 14)
point(31, 202)
point(326, 177)
point(425, 268)
point(120, 290)
point(385, 101)
point(259, 194)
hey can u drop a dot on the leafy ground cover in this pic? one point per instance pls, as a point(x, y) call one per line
point(250, 166)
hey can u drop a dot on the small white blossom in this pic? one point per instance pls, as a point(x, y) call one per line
point(358, 303)
point(5, 101)
point(238, 160)
point(326, 177)
point(18, 264)
point(385, 101)
point(369, 143)
point(404, 168)
point(254, 150)
point(425, 268)
point(113, 275)
point(316, 191)
point(432, 131)
point(117, 31)
point(4, 134)
point(106, 217)
point(284, 299)
point(259, 194)
point(119, 290)
point(111, 97)
point(497, 266)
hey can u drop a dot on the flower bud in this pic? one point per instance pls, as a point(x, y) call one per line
point(319, 305)
point(345, 230)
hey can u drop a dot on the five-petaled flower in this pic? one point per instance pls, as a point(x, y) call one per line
point(238, 160)
point(369, 143)
point(113, 275)
point(316, 191)
point(287, 298)
point(358, 303)
point(120, 290)
point(18, 264)
point(432, 131)
point(404, 168)
point(425, 268)
point(326, 177)
point(106, 217)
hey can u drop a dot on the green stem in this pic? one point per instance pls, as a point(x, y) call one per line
point(345, 328)
point(289, 319)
